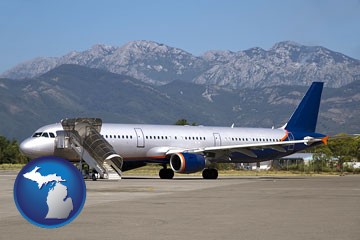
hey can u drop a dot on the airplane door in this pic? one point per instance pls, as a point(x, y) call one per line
point(140, 138)
point(217, 139)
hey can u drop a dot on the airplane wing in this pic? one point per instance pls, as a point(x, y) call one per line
point(247, 148)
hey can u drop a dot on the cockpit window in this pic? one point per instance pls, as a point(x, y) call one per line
point(45, 134)
point(37, 134)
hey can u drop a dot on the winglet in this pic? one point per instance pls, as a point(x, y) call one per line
point(325, 140)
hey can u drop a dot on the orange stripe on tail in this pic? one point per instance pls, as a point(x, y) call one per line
point(286, 135)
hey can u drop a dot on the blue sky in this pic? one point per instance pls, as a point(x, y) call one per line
point(29, 29)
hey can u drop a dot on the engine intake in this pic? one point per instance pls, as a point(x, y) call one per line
point(187, 162)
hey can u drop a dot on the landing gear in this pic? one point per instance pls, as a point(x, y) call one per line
point(93, 177)
point(166, 173)
point(210, 173)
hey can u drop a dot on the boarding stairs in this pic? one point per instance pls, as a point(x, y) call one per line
point(82, 135)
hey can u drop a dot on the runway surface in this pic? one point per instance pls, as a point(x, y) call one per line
point(193, 208)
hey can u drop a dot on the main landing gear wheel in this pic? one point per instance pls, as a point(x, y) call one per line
point(93, 177)
point(210, 173)
point(166, 173)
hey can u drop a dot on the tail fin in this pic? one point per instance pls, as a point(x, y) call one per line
point(304, 118)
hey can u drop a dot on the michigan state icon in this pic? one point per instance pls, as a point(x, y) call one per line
point(49, 192)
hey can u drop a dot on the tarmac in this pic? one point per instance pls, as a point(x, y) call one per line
point(193, 208)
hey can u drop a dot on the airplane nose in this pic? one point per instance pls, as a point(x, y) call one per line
point(27, 147)
point(37, 147)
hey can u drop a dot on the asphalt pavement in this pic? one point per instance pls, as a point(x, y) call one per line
point(193, 208)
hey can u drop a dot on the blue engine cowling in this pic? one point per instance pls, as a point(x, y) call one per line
point(187, 162)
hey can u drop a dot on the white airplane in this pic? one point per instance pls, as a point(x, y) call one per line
point(189, 149)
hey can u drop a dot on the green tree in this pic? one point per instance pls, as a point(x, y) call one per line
point(322, 157)
point(184, 122)
point(357, 147)
point(10, 152)
point(344, 149)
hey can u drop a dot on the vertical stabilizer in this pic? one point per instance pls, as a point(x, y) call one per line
point(304, 118)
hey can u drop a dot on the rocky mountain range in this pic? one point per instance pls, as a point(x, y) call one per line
point(78, 91)
point(286, 63)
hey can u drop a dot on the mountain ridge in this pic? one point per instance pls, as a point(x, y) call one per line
point(154, 63)
point(78, 91)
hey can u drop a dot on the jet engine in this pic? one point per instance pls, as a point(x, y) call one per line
point(187, 162)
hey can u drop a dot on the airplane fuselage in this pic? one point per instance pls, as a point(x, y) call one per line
point(139, 142)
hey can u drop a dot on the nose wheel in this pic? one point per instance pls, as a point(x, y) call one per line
point(166, 173)
point(210, 173)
